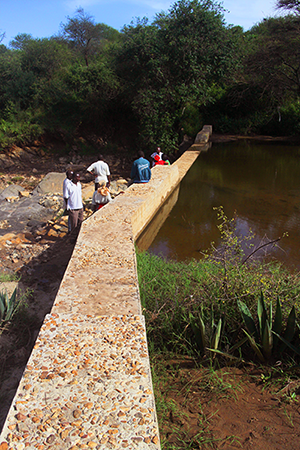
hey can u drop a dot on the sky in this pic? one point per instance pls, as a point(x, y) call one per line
point(42, 18)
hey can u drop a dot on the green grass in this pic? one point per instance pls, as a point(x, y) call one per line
point(6, 277)
point(170, 290)
point(185, 302)
point(17, 179)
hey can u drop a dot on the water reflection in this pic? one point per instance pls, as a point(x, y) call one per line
point(261, 182)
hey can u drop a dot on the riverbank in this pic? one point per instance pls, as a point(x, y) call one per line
point(222, 400)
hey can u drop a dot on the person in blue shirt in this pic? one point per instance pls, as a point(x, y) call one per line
point(140, 170)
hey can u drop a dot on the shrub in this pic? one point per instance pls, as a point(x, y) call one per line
point(175, 295)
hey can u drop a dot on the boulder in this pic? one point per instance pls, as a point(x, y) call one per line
point(24, 194)
point(118, 186)
point(51, 183)
point(11, 191)
point(88, 191)
point(19, 214)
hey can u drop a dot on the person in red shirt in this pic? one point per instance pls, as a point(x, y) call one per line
point(158, 161)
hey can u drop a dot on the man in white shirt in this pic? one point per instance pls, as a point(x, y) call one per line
point(67, 180)
point(101, 172)
point(74, 202)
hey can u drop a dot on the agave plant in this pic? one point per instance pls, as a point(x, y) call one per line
point(206, 337)
point(8, 306)
point(263, 335)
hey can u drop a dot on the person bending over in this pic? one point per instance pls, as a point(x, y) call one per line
point(101, 197)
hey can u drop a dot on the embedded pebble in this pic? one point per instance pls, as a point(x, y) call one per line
point(91, 388)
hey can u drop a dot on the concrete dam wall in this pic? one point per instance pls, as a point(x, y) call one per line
point(87, 384)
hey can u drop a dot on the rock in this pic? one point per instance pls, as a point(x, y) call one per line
point(11, 199)
point(4, 224)
point(118, 186)
point(51, 202)
point(122, 181)
point(5, 162)
point(35, 224)
point(203, 135)
point(11, 191)
point(19, 214)
point(52, 233)
point(29, 208)
point(20, 153)
point(88, 191)
point(24, 194)
point(6, 237)
point(51, 183)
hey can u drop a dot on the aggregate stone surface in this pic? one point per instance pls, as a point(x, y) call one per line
point(87, 385)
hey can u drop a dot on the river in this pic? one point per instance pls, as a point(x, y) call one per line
point(258, 182)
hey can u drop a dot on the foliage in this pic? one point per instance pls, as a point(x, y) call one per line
point(18, 126)
point(273, 62)
point(153, 83)
point(8, 306)
point(205, 336)
point(21, 41)
point(290, 5)
point(87, 37)
point(173, 65)
point(5, 277)
point(261, 336)
point(190, 306)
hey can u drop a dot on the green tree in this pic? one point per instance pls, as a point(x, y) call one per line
point(87, 37)
point(265, 97)
point(274, 61)
point(176, 62)
point(289, 5)
point(45, 57)
point(21, 41)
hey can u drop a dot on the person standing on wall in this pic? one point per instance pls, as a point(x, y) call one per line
point(67, 180)
point(101, 172)
point(74, 203)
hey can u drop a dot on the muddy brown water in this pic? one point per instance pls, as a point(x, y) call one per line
point(260, 182)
